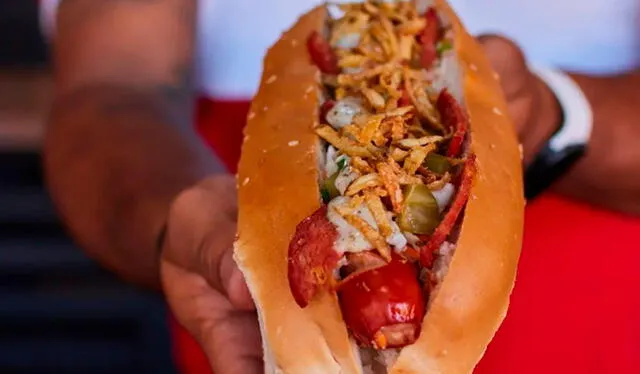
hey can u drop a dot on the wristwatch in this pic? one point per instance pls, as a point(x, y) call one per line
point(569, 142)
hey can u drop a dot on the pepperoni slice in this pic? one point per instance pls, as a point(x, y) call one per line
point(446, 225)
point(383, 307)
point(454, 118)
point(429, 37)
point(321, 54)
point(312, 257)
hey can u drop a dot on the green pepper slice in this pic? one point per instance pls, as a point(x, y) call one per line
point(330, 186)
point(437, 163)
point(443, 46)
point(326, 198)
point(342, 162)
point(420, 214)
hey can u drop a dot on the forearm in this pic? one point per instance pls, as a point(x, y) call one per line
point(608, 175)
point(120, 142)
point(115, 157)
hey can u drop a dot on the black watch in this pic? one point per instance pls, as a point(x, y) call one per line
point(568, 144)
point(548, 166)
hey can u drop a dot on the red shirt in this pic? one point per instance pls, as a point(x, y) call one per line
point(576, 304)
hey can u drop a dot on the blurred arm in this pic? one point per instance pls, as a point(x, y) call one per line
point(609, 174)
point(120, 142)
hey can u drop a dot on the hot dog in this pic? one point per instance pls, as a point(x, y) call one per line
point(380, 194)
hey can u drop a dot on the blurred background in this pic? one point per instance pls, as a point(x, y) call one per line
point(59, 311)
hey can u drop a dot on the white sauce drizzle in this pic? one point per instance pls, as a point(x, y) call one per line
point(348, 41)
point(351, 239)
point(444, 195)
point(343, 112)
point(330, 165)
point(344, 178)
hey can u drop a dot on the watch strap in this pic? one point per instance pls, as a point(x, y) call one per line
point(569, 143)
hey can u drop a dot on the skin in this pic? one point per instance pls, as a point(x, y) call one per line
point(606, 176)
point(122, 160)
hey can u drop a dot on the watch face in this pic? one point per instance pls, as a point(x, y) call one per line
point(549, 166)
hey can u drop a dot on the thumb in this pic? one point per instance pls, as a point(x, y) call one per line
point(200, 234)
point(232, 344)
point(509, 63)
point(230, 338)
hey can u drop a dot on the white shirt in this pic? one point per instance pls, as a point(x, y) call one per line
point(591, 36)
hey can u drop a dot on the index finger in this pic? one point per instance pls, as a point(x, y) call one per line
point(200, 234)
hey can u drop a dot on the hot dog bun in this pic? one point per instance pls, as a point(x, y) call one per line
point(278, 187)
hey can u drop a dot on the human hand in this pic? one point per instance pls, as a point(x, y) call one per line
point(203, 286)
point(532, 105)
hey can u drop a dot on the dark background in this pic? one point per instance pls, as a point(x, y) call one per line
point(59, 311)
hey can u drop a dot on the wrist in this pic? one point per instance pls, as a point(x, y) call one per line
point(545, 121)
point(563, 131)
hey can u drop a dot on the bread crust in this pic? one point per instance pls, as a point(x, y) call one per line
point(278, 187)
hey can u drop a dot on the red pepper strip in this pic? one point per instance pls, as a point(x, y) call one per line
point(444, 228)
point(418, 254)
point(412, 254)
point(384, 307)
point(426, 258)
point(404, 100)
point(312, 257)
point(324, 110)
point(321, 54)
point(453, 117)
point(429, 38)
